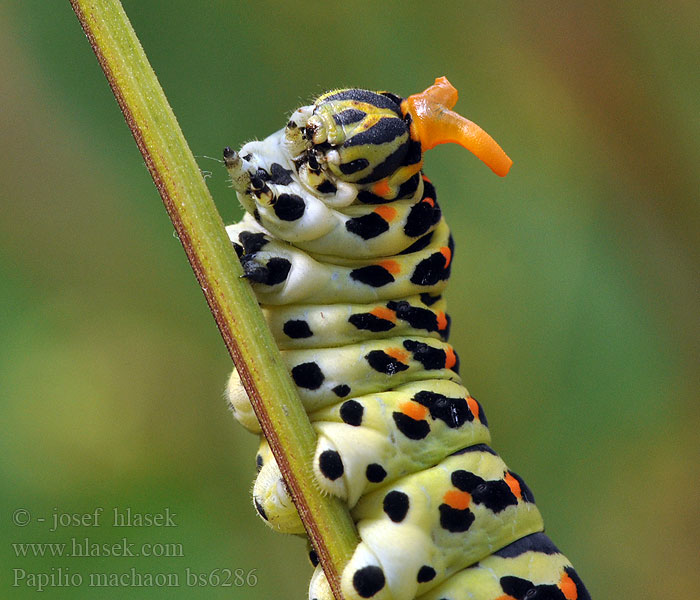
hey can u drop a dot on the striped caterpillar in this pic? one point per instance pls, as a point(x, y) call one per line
point(348, 254)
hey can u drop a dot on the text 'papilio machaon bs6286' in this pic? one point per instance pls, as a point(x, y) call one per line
point(348, 254)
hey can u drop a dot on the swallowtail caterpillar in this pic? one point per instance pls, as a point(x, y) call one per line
point(348, 254)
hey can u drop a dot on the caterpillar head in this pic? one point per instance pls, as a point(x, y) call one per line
point(355, 137)
point(376, 140)
point(355, 140)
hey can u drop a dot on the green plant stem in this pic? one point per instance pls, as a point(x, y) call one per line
point(218, 271)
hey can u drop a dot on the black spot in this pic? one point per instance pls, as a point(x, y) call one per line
point(455, 520)
point(280, 175)
point(330, 464)
point(425, 574)
point(252, 242)
point(326, 187)
point(296, 329)
point(419, 244)
point(523, 589)
point(272, 273)
point(519, 588)
point(454, 412)
point(238, 248)
point(375, 473)
point(382, 362)
point(259, 508)
point(353, 166)
point(313, 557)
point(349, 115)
point(416, 317)
point(341, 390)
point(370, 322)
point(301, 160)
point(429, 299)
point(396, 506)
point(412, 429)
point(258, 462)
point(494, 495)
point(368, 226)
point(430, 270)
point(313, 163)
point(256, 183)
point(256, 215)
point(351, 412)
point(262, 174)
point(367, 581)
point(308, 375)
point(372, 275)
point(290, 207)
point(278, 269)
point(431, 358)
point(421, 218)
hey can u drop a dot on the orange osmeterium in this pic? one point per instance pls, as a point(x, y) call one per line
point(434, 123)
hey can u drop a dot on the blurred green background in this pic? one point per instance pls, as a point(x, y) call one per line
point(574, 298)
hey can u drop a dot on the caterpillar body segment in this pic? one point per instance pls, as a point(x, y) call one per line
point(529, 568)
point(348, 253)
point(282, 273)
point(398, 427)
point(310, 326)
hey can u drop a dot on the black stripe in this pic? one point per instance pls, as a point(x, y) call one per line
point(365, 96)
point(349, 115)
point(383, 131)
point(386, 168)
point(354, 166)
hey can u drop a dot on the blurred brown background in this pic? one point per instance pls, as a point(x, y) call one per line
point(574, 298)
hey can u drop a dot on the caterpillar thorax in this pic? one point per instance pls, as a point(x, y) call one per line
point(347, 250)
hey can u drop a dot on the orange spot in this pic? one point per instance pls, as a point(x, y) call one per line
point(447, 253)
point(381, 188)
point(383, 313)
point(398, 354)
point(434, 123)
point(391, 265)
point(474, 407)
point(457, 499)
point(412, 409)
point(450, 357)
point(513, 484)
point(388, 213)
point(426, 179)
point(505, 597)
point(568, 587)
point(428, 200)
point(441, 321)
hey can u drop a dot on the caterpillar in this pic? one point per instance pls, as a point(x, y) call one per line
point(348, 253)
